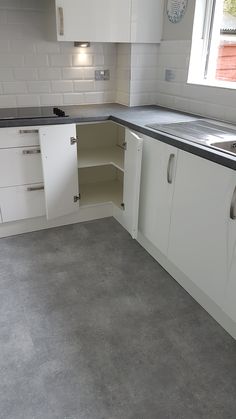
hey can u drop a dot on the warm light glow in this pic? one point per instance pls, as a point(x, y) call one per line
point(82, 44)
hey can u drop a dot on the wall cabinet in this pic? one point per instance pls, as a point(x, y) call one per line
point(157, 189)
point(107, 20)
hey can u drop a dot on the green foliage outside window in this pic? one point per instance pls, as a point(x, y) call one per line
point(230, 7)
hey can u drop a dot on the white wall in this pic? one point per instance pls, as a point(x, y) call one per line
point(35, 71)
point(143, 78)
point(174, 54)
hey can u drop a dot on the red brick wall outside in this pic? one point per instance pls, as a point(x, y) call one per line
point(226, 65)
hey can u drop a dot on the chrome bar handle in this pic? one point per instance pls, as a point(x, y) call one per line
point(61, 21)
point(33, 151)
point(170, 169)
point(35, 188)
point(28, 131)
point(233, 206)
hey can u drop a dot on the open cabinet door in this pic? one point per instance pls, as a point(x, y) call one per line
point(59, 160)
point(128, 217)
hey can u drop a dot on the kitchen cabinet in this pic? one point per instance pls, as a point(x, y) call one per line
point(109, 161)
point(146, 21)
point(198, 243)
point(38, 172)
point(157, 189)
point(59, 160)
point(230, 292)
point(107, 20)
point(64, 168)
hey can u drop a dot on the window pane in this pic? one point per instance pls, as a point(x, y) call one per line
point(226, 60)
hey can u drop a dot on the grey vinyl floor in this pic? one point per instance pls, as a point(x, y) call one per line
point(91, 327)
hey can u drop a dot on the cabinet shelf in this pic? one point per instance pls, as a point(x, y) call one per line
point(100, 192)
point(101, 156)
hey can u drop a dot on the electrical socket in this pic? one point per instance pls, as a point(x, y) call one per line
point(102, 75)
point(169, 74)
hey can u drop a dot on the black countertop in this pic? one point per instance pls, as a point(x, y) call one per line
point(135, 118)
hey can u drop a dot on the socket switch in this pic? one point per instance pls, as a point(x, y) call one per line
point(102, 75)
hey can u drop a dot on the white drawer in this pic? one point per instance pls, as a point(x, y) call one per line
point(19, 136)
point(21, 202)
point(20, 166)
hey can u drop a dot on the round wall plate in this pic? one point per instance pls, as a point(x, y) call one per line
point(176, 9)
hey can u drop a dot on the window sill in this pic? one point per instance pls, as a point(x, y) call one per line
point(215, 83)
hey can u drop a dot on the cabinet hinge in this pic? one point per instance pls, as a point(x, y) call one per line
point(123, 145)
point(122, 206)
point(76, 198)
point(74, 140)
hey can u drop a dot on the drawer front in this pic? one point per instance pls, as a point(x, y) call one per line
point(20, 166)
point(21, 202)
point(19, 137)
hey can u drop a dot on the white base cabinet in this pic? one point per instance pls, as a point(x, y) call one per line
point(157, 188)
point(59, 160)
point(85, 167)
point(200, 215)
point(190, 224)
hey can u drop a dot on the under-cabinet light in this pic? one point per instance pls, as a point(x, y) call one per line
point(82, 44)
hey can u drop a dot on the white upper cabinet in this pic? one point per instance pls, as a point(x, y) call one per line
point(92, 20)
point(157, 188)
point(146, 21)
point(59, 160)
point(198, 243)
point(107, 20)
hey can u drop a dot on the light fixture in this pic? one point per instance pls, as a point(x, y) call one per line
point(83, 44)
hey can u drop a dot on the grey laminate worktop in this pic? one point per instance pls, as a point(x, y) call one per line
point(136, 118)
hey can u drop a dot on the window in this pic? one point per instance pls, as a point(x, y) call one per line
point(213, 53)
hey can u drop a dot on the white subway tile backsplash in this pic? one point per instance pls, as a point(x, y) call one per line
point(11, 60)
point(4, 45)
point(49, 73)
point(72, 73)
point(197, 99)
point(62, 86)
point(26, 74)
point(51, 99)
point(82, 60)
point(73, 98)
point(59, 60)
point(14, 87)
point(6, 74)
point(7, 101)
point(40, 60)
point(39, 87)
point(84, 86)
point(28, 100)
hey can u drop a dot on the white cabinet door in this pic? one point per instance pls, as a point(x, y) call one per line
point(95, 21)
point(230, 294)
point(59, 158)
point(128, 217)
point(198, 242)
point(146, 21)
point(157, 187)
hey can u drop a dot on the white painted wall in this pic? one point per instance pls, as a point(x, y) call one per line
point(174, 53)
point(35, 71)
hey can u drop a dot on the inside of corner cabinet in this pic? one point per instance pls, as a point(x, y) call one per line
point(101, 163)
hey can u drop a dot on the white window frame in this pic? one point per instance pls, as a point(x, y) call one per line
point(203, 57)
